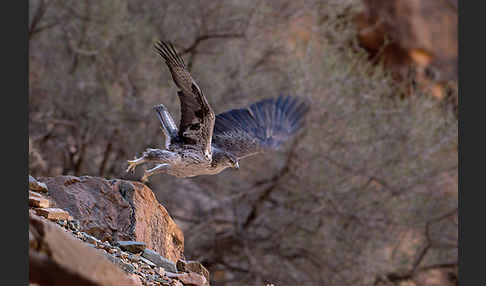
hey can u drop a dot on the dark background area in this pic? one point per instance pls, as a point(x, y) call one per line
point(366, 195)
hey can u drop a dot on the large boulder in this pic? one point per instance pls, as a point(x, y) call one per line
point(57, 258)
point(117, 210)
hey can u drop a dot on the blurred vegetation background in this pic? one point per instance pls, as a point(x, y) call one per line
point(367, 195)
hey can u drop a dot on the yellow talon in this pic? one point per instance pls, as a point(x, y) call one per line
point(132, 164)
point(144, 179)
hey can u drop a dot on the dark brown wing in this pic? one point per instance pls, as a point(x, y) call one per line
point(197, 116)
point(264, 125)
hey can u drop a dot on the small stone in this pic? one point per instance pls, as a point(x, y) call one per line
point(134, 258)
point(160, 271)
point(158, 260)
point(127, 267)
point(171, 274)
point(36, 185)
point(52, 213)
point(38, 202)
point(192, 278)
point(91, 239)
point(117, 261)
point(146, 268)
point(162, 279)
point(34, 194)
point(84, 235)
point(124, 255)
point(148, 262)
point(74, 224)
point(175, 283)
point(151, 277)
point(197, 267)
point(62, 222)
point(132, 246)
point(112, 250)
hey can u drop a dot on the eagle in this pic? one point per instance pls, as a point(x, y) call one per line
point(205, 144)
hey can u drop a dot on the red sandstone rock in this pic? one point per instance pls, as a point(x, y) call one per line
point(36, 185)
point(34, 194)
point(124, 209)
point(193, 266)
point(38, 202)
point(423, 33)
point(100, 210)
point(56, 258)
point(190, 278)
point(154, 226)
point(53, 213)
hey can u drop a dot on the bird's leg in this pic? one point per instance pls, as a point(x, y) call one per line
point(160, 168)
point(132, 164)
point(168, 126)
point(152, 155)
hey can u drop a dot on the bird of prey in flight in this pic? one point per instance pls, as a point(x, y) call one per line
point(205, 144)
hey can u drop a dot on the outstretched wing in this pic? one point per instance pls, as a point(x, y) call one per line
point(263, 125)
point(197, 116)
